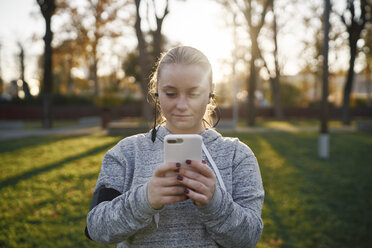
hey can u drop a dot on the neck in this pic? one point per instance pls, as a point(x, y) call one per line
point(174, 130)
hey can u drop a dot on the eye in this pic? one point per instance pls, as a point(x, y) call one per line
point(194, 94)
point(170, 94)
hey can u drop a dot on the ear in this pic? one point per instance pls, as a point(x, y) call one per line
point(212, 88)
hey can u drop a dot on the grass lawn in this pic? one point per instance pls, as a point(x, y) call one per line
point(56, 124)
point(265, 122)
point(46, 185)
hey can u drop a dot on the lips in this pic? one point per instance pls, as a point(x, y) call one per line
point(181, 116)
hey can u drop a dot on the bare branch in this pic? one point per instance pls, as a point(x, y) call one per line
point(268, 3)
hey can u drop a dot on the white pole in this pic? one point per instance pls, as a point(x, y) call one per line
point(323, 140)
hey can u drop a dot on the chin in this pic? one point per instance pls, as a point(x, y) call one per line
point(183, 126)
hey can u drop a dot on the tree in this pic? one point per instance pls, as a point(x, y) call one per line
point(71, 44)
point(254, 13)
point(65, 58)
point(367, 49)
point(355, 17)
point(48, 8)
point(274, 75)
point(91, 21)
point(104, 12)
point(313, 22)
point(25, 87)
point(144, 53)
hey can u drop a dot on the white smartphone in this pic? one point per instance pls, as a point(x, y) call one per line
point(180, 147)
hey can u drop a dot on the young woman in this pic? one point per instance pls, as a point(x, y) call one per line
point(218, 205)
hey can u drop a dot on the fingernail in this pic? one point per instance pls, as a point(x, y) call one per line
point(203, 161)
point(188, 161)
point(178, 165)
point(177, 170)
point(187, 191)
point(179, 177)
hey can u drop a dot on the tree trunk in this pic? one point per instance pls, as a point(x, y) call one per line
point(143, 60)
point(324, 109)
point(254, 31)
point(354, 28)
point(278, 111)
point(47, 77)
point(157, 41)
point(275, 85)
point(25, 87)
point(368, 84)
point(252, 79)
point(251, 93)
point(94, 67)
point(70, 83)
point(349, 82)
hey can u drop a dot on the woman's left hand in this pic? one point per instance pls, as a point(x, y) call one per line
point(200, 184)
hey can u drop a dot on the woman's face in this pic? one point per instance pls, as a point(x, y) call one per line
point(183, 96)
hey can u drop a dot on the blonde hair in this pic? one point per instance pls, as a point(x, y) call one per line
point(183, 55)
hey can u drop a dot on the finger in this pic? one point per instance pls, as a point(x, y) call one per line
point(168, 181)
point(173, 191)
point(162, 169)
point(191, 174)
point(202, 168)
point(193, 184)
point(199, 199)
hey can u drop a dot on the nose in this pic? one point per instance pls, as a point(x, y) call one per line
point(182, 103)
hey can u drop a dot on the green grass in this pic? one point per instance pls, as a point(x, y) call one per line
point(46, 185)
point(311, 202)
point(56, 124)
point(260, 122)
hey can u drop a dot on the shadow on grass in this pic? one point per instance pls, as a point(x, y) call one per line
point(17, 144)
point(311, 202)
point(34, 172)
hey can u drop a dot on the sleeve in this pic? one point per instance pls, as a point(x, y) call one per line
point(235, 220)
point(116, 215)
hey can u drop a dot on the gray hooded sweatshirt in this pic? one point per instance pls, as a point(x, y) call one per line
point(121, 214)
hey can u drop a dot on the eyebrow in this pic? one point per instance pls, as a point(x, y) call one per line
point(172, 87)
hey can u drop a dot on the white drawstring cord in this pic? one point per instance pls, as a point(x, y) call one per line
point(156, 219)
point(215, 168)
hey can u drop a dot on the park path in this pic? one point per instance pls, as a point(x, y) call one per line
point(11, 134)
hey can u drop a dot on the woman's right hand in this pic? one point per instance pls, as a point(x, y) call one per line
point(165, 189)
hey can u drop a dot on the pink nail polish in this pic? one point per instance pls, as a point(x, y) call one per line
point(179, 177)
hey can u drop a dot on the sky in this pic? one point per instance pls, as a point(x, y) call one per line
point(17, 24)
point(187, 22)
point(197, 23)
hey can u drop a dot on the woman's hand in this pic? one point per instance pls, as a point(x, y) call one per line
point(163, 189)
point(200, 184)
